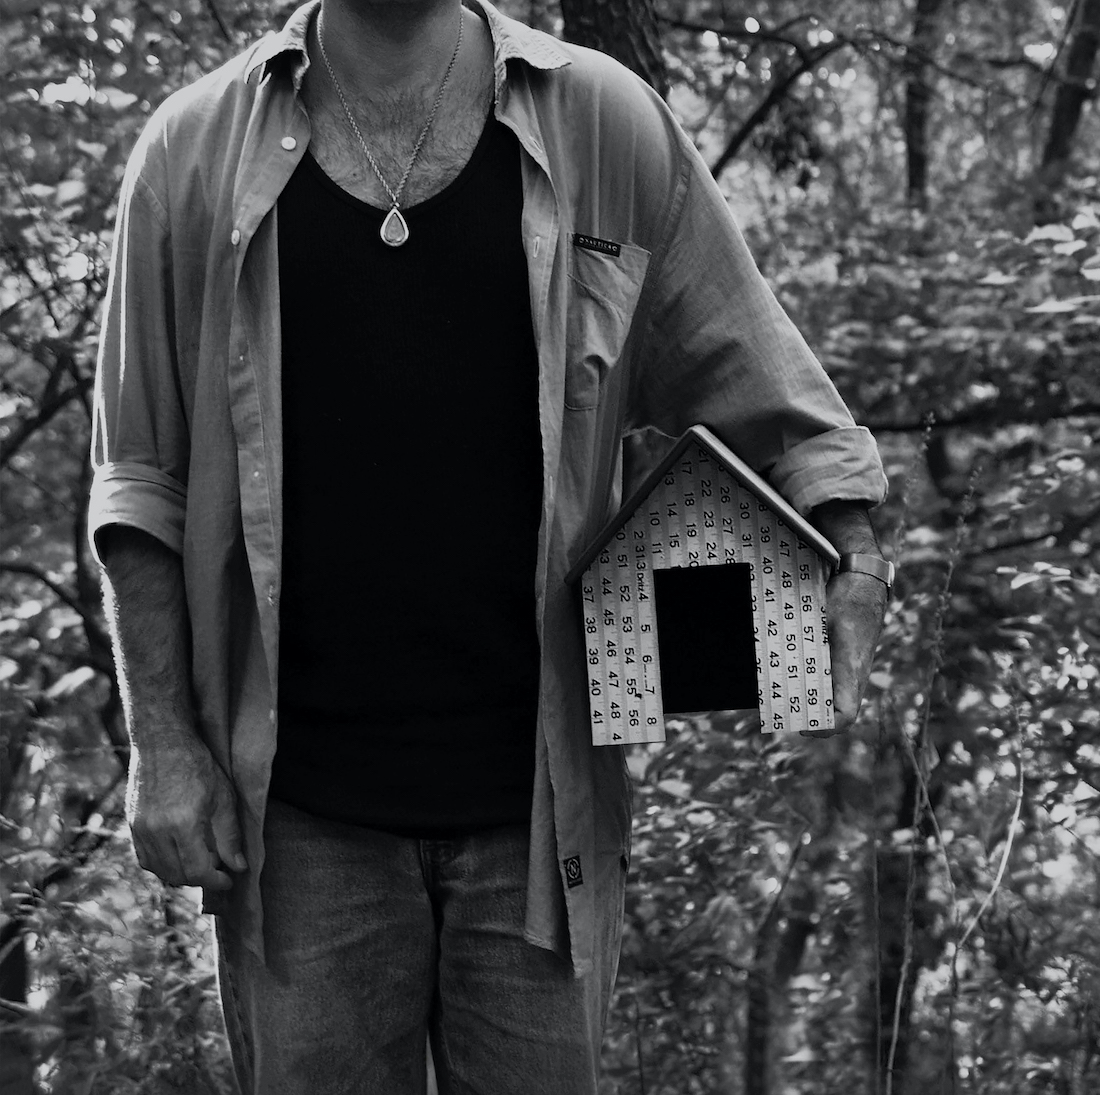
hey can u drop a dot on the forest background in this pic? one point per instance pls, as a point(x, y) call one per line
point(914, 907)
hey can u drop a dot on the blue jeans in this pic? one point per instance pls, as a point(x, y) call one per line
point(376, 943)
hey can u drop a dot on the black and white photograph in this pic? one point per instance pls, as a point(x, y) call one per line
point(549, 547)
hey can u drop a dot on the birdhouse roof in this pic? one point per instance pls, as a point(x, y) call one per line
point(741, 472)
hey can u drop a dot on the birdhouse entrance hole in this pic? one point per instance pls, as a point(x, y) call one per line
point(705, 638)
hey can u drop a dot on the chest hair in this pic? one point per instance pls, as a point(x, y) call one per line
point(391, 125)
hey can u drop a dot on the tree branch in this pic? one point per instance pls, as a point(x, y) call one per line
point(984, 418)
point(81, 851)
point(60, 592)
point(26, 429)
point(1063, 532)
point(777, 92)
point(212, 7)
point(741, 33)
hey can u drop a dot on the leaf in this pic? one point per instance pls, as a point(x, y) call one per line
point(924, 535)
point(1052, 306)
point(1085, 219)
point(807, 982)
point(1061, 233)
point(1069, 247)
point(700, 817)
point(68, 683)
point(996, 277)
point(1092, 273)
point(115, 97)
point(1070, 304)
point(803, 1056)
point(69, 191)
point(1024, 580)
point(73, 90)
point(676, 787)
point(96, 149)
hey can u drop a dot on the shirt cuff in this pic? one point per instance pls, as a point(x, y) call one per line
point(141, 497)
point(841, 465)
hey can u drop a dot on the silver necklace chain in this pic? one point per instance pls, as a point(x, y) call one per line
point(395, 195)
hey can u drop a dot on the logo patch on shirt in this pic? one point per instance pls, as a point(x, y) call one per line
point(573, 876)
point(594, 243)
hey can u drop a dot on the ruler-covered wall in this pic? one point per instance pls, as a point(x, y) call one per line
point(700, 515)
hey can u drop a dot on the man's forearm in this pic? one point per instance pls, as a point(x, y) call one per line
point(847, 526)
point(180, 804)
point(855, 603)
point(147, 613)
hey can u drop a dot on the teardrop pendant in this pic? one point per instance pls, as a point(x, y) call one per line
point(394, 230)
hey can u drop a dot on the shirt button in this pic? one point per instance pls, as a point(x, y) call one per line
point(289, 143)
point(235, 238)
point(271, 595)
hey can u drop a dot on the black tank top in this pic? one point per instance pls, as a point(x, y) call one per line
point(412, 492)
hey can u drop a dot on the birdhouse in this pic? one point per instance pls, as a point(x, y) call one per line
point(705, 592)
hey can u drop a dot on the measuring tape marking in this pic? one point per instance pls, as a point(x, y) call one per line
point(699, 514)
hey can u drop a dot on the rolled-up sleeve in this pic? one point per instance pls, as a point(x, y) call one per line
point(720, 350)
point(140, 437)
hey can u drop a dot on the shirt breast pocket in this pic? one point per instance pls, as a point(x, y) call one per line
point(603, 295)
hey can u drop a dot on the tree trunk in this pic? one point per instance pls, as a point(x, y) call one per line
point(624, 29)
point(905, 936)
point(757, 1076)
point(1078, 86)
point(899, 969)
point(777, 954)
point(918, 94)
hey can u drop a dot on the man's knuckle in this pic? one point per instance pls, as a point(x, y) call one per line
point(150, 833)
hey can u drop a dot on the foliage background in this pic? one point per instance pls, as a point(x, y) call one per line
point(912, 908)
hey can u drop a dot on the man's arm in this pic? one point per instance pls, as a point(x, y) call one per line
point(719, 349)
point(855, 605)
point(180, 803)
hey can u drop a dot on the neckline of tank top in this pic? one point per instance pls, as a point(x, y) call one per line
point(428, 203)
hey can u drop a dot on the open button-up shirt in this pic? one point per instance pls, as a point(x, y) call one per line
point(665, 323)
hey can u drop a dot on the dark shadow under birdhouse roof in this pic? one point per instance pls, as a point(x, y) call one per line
point(727, 459)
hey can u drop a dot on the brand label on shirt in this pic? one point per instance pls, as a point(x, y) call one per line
point(573, 876)
point(594, 243)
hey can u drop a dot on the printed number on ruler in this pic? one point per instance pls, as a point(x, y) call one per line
point(793, 675)
point(623, 683)
point(699, 516)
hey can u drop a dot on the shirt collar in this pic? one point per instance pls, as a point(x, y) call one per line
point(290, 40)
point(512, 40)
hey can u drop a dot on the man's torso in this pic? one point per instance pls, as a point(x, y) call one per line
point(408, 670)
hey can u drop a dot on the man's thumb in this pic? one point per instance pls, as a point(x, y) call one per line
point(227, 836)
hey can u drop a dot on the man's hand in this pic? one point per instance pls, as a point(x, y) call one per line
point(180, 803)
point(854, 607)
point(183, 814)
